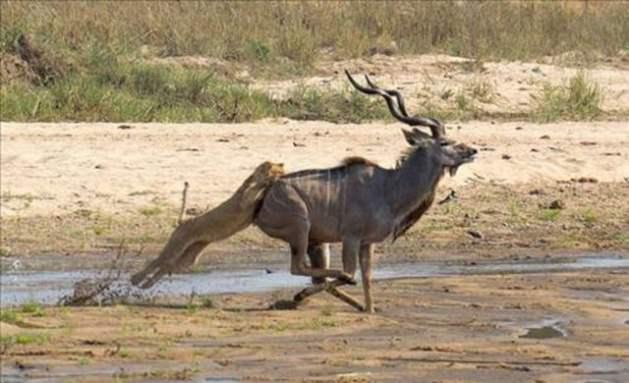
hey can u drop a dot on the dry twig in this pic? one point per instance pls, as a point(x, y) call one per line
point(184, 197)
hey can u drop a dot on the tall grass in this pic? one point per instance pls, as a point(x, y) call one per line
point(263, 31)
point(92, 66)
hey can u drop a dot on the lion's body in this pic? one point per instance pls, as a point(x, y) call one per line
point(228, 218)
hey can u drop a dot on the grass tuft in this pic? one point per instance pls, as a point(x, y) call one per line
point(589, 216)
point(151, 211)
point(482, 91)
point(9, 316)
point(24, 339)
point(550, 215)
point(33, 308)
point(579, 100)
point(334, 106)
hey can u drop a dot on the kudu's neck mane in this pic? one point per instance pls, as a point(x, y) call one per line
point(415, 179)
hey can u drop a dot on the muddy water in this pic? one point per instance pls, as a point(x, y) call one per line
point(47, 287)
point(94, 372)
point(545, 331)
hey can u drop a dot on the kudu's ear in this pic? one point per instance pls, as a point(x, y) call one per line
point(410, 138)
point(416, 136)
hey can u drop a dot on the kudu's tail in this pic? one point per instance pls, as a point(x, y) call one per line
point(189, 238)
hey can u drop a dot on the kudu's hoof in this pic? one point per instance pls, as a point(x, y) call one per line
point(136, 279)
point(371, 310)
point(283, 304)
point(299, 297)
point(347, 279)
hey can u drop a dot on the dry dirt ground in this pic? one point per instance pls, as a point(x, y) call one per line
point(496, 88)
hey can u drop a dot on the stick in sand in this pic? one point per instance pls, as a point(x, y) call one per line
point(184, 196)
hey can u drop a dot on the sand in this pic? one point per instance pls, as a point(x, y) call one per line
point(59, 168)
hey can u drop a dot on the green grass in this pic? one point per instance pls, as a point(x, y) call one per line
point(116, 89)
point(622, 238)
point(123, 353)
point(94, 57)
point(151, 211)
point(319, 323)
point(9, 316)
point(24, 339)
point(33, 308)
point(147, 93)
point(5, 251)
point(208, 303)
point(135, 93)
point(549, 214)
point(462, 108)
point(589, 216)
point(192, 308)
point(580, 99)
point(14, 316)
point(84, 361)
point(340, 107)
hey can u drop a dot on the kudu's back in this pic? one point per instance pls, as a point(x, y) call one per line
point(332, 203)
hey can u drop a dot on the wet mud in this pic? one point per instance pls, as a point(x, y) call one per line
point(559, 321)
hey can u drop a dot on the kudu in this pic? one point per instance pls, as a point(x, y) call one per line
point(359, 203)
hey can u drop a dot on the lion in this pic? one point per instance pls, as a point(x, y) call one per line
point(233, 215)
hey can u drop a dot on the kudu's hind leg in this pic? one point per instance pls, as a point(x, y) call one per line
point(284, 215)
point(319, 255)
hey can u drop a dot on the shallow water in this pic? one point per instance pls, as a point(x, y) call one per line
point(546, 328)
point(602, 365)
point(604, 370)
point(544, 332)
point(92, 372)
point(48, 287)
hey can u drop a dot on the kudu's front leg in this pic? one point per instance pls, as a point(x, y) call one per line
point(319, 255)
point(350, 250)
point(299, 266)
point(351, 247)
point(365, 256)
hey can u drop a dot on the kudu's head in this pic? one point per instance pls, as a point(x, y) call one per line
point(449, 153)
